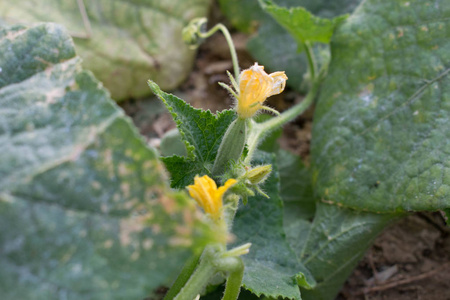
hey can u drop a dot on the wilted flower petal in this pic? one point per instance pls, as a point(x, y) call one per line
point(255, 85)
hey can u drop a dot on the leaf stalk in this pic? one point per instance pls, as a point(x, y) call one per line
point(229, 40)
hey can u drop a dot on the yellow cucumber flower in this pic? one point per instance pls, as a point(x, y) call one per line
point(208, 196)
point(255, 86)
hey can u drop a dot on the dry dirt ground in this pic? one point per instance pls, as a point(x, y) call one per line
point(410, 260)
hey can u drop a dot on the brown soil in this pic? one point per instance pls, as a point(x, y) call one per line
point(410, 260)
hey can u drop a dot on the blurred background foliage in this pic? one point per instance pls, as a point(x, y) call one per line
point(123, 43)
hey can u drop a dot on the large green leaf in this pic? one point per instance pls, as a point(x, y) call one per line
point(301, 24)
point(202, 133)
point(295, 187)
point(337, 239)
point(285, 58)
point(381, 138)
point(131, 40)
point(246, 14)
point(331, 245)
point(85, 208)
point(271, 267)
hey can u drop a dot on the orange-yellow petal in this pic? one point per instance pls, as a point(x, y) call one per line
point(223, 189)
point(279, 83)
point(208, 196)
point(255, 85)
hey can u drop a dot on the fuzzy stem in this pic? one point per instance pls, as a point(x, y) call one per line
point(234, 282)
point(200, 278)
point(312, 66)
point(227, 35)
point(184, 276)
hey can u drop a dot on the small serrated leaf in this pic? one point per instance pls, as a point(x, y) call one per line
point(171, 144)
point(200, 130)
point(183, 170)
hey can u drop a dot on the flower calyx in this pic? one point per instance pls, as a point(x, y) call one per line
point(258, 175)
point(249, 181)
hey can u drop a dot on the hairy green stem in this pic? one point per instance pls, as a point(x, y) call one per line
point(234, 282)
point(312, 66)
point(200, 278)
point(183, 278)
point(227, 35)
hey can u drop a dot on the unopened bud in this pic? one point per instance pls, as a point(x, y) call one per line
point(259, 174)
point(191, 33)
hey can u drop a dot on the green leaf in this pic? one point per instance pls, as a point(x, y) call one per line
point(323, 244)
point(202, 133)
point(218, 294)
point(295, 187)
point(243, 14)
point(85, 207)
point(183, 170)
point(332, 244)
point(130, 40)
point(301, 24)
point(380, 136)
point(246, 15)
point(271, 267)
point(337, 239)
point(270, 142)
point(285, 58)
point(172, 144)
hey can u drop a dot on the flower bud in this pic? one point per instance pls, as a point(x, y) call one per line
point(259, 174)
point(190, 33)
